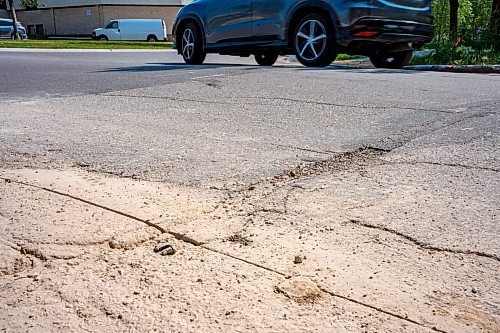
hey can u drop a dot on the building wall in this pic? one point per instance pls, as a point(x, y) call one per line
point(80, 21)
point(4, 14)
point(40, 16)
point(82, 3)
point(77, 20)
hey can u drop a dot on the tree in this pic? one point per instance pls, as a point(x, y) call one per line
point(15, 35)
point(454, 5)
point(29, 3)
point(25, 3)
point(495, 17)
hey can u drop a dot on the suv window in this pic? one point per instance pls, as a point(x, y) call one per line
point(5, 23)
point(112, 25)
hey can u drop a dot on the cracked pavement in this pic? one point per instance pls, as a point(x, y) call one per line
point(301, 200)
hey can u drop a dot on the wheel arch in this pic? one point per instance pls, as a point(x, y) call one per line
point(182, 23)
point(310, 7)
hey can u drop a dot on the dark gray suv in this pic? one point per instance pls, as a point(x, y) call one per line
point(314, 30)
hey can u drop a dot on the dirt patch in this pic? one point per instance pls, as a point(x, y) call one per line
point(301, 290)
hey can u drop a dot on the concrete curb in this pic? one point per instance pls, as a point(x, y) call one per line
point(34, 50)
point(493, 69)
point(364, 63)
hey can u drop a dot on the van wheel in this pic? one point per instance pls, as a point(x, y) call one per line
point(192, 45)
point(152, 39)
point(266, 58)
point(393, 60)
point(314, 41)
point(103, 38)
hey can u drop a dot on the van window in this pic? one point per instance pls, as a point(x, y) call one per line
point(112, 25)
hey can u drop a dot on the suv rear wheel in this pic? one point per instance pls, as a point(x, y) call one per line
point(192, 45)
point(393, 60)
point(314, 41)
point(266, 58)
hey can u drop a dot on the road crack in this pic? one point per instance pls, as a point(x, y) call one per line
point(88, 202)
point(354, 106)
point(453, 165)
point(378, 309)
point(424, 245)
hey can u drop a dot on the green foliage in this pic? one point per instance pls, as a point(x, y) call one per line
point(479, 45)
point(26, 3)
point(441, 11)
point(473, 18)
point(29, 3)
point(447, 54)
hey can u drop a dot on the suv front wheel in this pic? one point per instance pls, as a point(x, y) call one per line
point(192, 45)
point(393, 60)
point(314, 41)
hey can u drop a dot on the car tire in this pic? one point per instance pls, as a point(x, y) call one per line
point(102, 38)
point(152, 39)
point(314, 41)
point(392, 60)
point(191, 43)
point(266, 58)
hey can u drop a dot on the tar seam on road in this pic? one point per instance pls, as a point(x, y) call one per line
point(453, 165)
point(195, 243)
point(422, 244)
point(86, 202)
point(369, 107)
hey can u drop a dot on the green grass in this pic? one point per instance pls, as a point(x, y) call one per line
point(81, 44)
point(343, 56)
point(447, 54)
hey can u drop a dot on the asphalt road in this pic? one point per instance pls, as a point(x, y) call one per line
point(148, 114)
point(55, 74)
point(385, 181)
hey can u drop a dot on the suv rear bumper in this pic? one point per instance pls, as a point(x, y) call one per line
point(386, 32)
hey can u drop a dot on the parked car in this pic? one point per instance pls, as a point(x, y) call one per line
point(314, 30)
point(7, 29)
point(147, 30)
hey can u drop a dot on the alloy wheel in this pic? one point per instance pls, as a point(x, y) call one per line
point(188, 44)
point(311, 40)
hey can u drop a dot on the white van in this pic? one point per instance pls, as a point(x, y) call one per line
point(147, 30)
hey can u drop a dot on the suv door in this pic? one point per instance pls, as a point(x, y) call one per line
point(229, 21)
point(269, 19)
